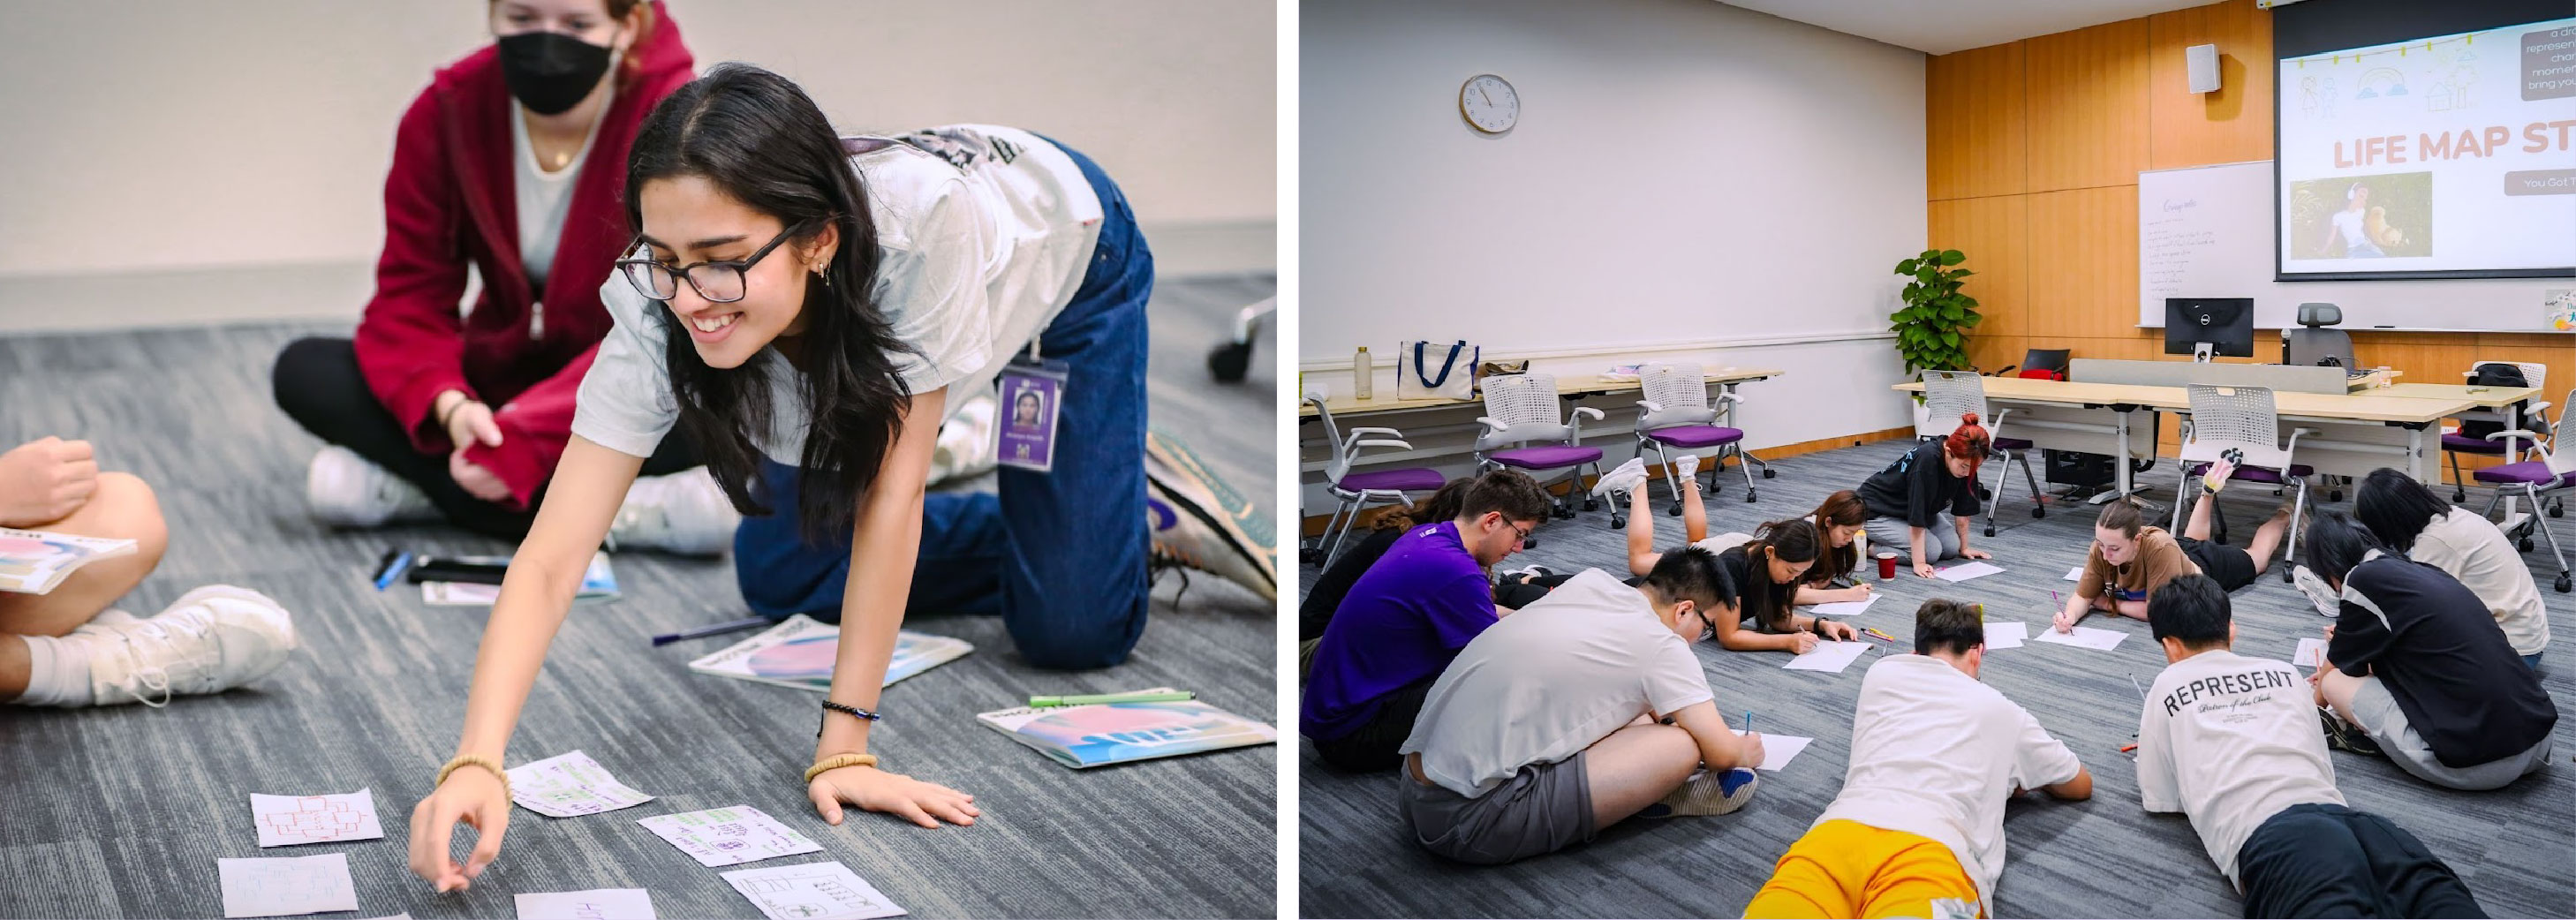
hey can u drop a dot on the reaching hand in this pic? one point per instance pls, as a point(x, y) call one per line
point(471, 423)
point(45, 480)
point(871, 789)
point(474, 796)
point(1966, 553)
point(1923, 570)
point(1841, 632)
point(477, 481)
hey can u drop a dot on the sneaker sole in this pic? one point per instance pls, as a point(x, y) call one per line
point(1179, 457)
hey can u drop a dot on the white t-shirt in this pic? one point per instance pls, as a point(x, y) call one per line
point(985, 234)
point(2348, 223)
point(1935, 753)
point(2230, 741)
point(1541, 685)
point(545, 198)
point(2471, 548)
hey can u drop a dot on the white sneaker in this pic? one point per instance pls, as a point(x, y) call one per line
point(1195, 519)
point(965, 446)
point(342, 489)
point(105, 619)
point(1626, 478)
point(210, 640)
point(2319, 593)
point(1687, 466)
point(685, 512)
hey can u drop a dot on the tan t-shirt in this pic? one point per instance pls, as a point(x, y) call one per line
point(2159, 560)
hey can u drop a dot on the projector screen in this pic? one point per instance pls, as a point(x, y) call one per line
point(2443, 157)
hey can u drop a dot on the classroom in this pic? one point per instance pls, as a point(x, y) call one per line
point(281, 386)
point(2018, 420)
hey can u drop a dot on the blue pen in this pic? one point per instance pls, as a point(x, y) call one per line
point(396, 562)
point(1748, 721)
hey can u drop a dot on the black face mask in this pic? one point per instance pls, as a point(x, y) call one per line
point(550, 72)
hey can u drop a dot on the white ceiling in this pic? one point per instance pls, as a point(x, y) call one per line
point(1944, 26)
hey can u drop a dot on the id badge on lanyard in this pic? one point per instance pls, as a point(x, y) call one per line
point(1032, 391)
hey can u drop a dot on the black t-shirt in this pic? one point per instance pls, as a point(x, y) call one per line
point(2436, 648)
point(1335, 583)
point(1918, 486)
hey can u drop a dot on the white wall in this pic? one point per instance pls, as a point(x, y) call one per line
point(1688, 182)
point(166, 152)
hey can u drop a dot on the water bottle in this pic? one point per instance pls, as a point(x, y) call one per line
point(1363, 374)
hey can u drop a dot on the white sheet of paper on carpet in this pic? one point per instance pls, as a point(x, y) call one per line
point(1777, 750)
point(1959, 573)
point(813, 891)
point(2084, 637)
point(569, 785)
point(287, 820)
point(595, 904)
point(286, 886)
point(2075, 574)
point(2311, 654)
point(726, 836)
point(1844, 608)
point(1828, 656)
point(2006, 635)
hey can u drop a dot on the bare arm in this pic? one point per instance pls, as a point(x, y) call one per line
point(884, 542)
point(1719, 748)
point(1732, 635)
point(2077, 789)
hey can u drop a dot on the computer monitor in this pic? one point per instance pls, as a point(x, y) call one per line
point(2207, 326)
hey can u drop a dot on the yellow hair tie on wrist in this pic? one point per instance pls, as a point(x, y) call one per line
point(838, 761)
point(474, 760)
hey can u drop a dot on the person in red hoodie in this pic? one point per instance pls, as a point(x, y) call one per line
point(511, 163)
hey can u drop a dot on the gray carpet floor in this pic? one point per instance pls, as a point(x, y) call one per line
point(2515, 848)
point(123, 811)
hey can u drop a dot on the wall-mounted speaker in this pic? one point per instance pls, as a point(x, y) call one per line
point(2200, 62)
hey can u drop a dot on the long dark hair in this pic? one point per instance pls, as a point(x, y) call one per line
point(1842, 508)
point(1766, 601)
point(761, 140)
point(2397, 508)
point(1443, 505)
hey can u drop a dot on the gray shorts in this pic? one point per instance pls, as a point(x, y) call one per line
point(1544, 808)
point(1895, 534)
point(2378, 714)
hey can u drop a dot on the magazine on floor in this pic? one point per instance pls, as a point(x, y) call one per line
point(1106, 733)
point(800, 650)
point(35, 561)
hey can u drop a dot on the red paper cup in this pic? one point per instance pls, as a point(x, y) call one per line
point(1886, 565)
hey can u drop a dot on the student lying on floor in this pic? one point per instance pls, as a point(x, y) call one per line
point(1922, 503)
point(2411, 521)
point(1404, 619)
point(1573, 714)
point(67, 647)
point(1838, 518)
point(2231, 742)
point(2414, 661)
point(2130, 561)
point(1918, 830)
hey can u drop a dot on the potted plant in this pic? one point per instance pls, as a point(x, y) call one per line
point(1932, 327)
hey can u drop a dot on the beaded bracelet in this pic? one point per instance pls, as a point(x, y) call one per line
point(476, 760)
point(838, 761)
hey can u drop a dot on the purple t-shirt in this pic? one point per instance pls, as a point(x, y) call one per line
point(1402, 622)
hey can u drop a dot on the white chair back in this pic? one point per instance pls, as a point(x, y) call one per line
point(1527, 406)
point(1340, 464)
point(2244, 418)
point(1682, 391)
point(1948, 395)
point(2561, 461)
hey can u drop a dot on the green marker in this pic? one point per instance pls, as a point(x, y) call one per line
point(1167, 696)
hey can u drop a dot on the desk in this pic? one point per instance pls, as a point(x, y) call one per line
point(2480, 397)
point(1569, 386)
point(2357, 432)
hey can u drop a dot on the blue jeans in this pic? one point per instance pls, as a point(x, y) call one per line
point(1059, 556)
point(2532, 660)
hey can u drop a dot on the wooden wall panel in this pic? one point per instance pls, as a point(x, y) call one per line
point(2231, 125)
point(1994, 233)
point(2088, 99)
point(2084, 269)
point(1975, 118)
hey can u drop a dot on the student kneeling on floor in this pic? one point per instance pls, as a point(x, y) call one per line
point(1545, 728)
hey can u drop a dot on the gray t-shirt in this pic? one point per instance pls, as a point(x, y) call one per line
point(2471, 548)
point(1546, 682)
point(985, 234)
point(2230, 741)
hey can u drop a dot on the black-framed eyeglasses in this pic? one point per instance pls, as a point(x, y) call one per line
point(718, 282)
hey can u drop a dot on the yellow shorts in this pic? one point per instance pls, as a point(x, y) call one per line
point(1849, 869)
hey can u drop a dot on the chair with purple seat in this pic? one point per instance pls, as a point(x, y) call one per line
point(1355, 490)
point(1948, 395)
point(2247, 420)
point(1675, 415)
point(2532, 479)
point(2472, 435)
point(1522, 408)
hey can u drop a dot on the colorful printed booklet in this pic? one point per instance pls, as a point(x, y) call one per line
point(798, 652)
point(1107, 733)
point(34, 561)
